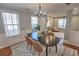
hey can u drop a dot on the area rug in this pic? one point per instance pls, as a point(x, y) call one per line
point(21, 49)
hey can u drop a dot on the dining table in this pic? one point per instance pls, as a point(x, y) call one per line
point(37, 37)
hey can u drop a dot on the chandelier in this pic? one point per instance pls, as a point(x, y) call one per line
point(40, 12)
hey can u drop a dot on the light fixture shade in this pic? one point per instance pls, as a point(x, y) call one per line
point(40, 12)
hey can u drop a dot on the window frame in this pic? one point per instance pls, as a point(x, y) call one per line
point(49, 22)
point(63, 23)
point(34, 23)
point(6, 25)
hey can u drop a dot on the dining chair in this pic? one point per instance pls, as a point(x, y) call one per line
point(34, 46)
point(29, 42)
point(51, 39)
point(43, 33)
point(37, 48)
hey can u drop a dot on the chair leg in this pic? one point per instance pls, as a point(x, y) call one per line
point(56, 47)
point(49, 50)
point(27, 45)
point(30, 48)
point(33, 53)
point(39, 53)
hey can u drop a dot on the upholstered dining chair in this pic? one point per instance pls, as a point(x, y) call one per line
point(51, 38)
point(29, 42)
point(43, 33)
point(37, 48)
point(34, 45)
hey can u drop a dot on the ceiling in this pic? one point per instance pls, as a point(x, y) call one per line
point(52, 9)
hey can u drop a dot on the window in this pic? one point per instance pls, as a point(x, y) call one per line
point(11, 24)
point(62, 23)
point(49, 22)
point(34, 21)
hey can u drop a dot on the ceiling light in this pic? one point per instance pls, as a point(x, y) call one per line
point(75, 11)
point(40, 12)
point(67, 3)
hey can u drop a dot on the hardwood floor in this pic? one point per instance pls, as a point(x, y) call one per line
point(72, 46)
point(5, 51)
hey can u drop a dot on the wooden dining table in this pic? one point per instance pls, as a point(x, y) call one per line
point(36, 37)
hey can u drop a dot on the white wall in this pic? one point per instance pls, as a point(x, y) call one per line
point(55, 22)
point(74, 37)
point(25, 21)
point(75, 23)
point(25, 27)
point(74, 34)
point(1, 25)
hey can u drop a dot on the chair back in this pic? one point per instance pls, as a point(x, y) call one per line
point(43, 33)
point(37, 47)
point(29, 41)
point(50, 39)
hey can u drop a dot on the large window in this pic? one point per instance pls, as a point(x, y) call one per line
point(49, 22)
point(11, 23)
point(34, 22)
point(62, 23)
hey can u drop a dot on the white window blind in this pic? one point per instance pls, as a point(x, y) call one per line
point(62, 23)
point(11, 23)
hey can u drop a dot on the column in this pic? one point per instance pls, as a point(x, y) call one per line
point(68, 25)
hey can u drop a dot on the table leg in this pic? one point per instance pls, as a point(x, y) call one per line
point(56, 47)
point(46, 50)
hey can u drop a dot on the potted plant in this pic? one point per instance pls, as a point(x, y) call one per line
point(37, 27)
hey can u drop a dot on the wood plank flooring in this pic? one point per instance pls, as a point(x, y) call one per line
point(72, 46)
point(7, 50)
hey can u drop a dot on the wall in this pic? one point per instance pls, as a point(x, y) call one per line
point(24, 18)
point(25, 27)
point(55, 22)
point(25, 21)
point(75, 23)
point(74, 34)
point(74, 37)
point(1, 25)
